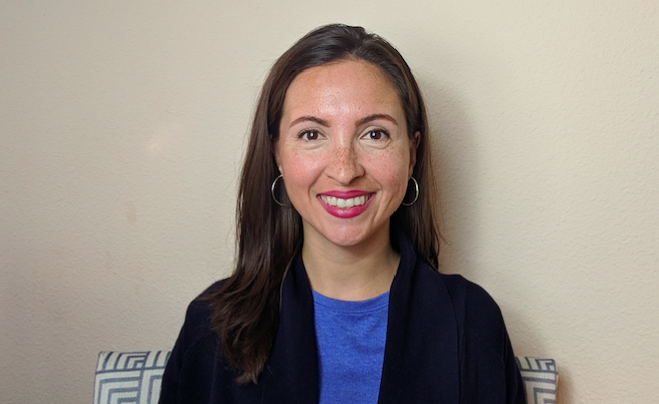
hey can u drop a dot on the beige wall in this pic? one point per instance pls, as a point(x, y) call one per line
point(122, 129)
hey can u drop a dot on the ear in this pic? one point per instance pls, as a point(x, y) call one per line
point(414, 144)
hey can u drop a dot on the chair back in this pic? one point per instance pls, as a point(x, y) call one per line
point(135, 377)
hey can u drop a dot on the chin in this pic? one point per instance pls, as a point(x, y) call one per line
point(346, 235)
point(350, 238)
point(346, 241)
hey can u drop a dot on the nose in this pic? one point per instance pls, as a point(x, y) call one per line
point(344, 165)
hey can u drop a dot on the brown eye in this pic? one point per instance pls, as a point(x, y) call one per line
point(377, 135)
point(310, 135)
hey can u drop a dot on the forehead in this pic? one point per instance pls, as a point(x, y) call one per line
point(353, 84)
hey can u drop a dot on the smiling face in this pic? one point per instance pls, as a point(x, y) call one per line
point(344, 152)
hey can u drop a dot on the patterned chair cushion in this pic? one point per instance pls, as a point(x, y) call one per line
point(540, 379)
point(134, 378)
point(129, 377)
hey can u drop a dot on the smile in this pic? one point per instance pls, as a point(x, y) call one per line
point(345, 203)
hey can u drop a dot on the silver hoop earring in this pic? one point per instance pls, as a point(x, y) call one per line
point(416, 196)
point(272, 192)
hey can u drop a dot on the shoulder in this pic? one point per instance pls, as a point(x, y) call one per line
point(194, 353)
point(464, 293)
point(477, 314)
point(196, 334)
point(474, 299)
point(197, 325)
point(202, 303)
point(486, 356)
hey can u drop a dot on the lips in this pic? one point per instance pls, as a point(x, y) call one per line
point(345, 204)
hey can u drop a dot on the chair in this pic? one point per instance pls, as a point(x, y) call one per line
point(134, 377)
point(540, 379)
point(129, 377)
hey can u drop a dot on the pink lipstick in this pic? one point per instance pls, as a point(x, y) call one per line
point(345, 204)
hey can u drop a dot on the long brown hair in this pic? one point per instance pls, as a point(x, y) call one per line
point(246, 308)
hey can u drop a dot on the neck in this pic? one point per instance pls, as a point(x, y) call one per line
point(356, 272)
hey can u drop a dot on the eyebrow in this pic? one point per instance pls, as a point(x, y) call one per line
point(312, 119)
point(362, 121)
point(374, 117)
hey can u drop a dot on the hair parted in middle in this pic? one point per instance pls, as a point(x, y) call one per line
point(246, 308)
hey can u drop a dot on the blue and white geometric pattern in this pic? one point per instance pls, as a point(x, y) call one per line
point(540, 379)
point(129, 377)
point(135, 377)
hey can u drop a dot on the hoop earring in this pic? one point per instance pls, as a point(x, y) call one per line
point(416, 196)
point(272, 192)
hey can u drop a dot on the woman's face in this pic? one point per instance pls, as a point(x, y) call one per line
point(344, 152)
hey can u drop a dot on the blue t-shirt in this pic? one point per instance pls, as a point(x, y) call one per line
point(351, 338)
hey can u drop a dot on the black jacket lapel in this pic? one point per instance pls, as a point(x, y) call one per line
point(291, 374)
point(421, 354)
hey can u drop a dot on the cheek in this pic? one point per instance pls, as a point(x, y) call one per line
point(300, 172)
point(398, 183)
point(391, 170)
point(290, 162)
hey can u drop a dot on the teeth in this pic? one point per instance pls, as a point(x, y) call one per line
point(344, 203)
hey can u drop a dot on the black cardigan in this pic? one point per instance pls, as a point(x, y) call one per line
point(446, 343)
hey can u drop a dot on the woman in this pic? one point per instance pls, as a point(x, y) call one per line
point(336, 297)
